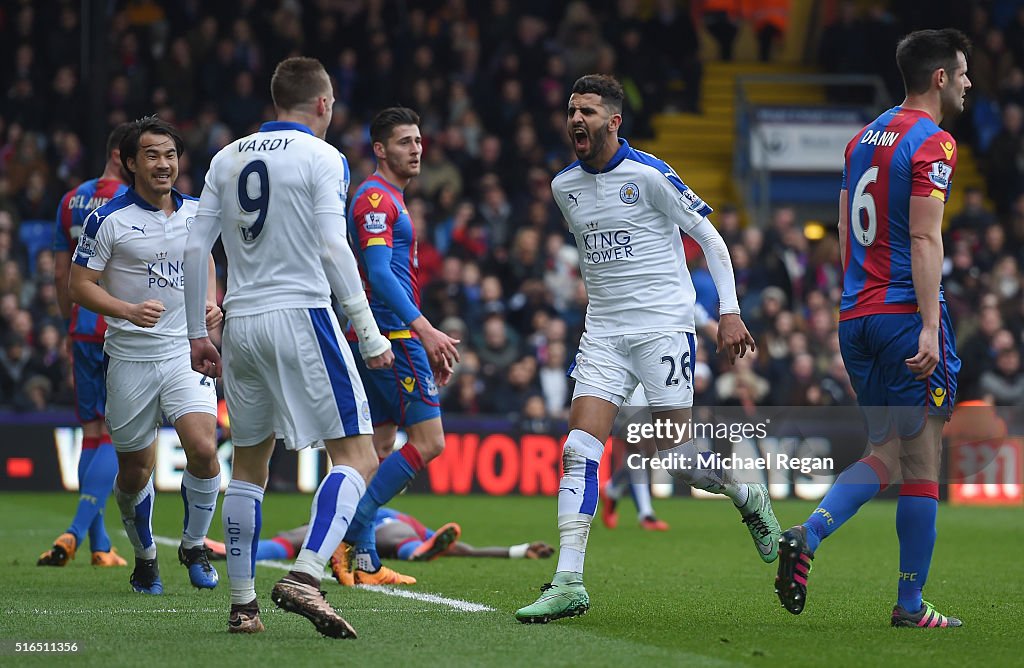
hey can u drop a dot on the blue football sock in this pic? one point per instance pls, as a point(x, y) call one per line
point(85, 512)
point(852, 489)
point(394, 474)
point(406, 549)
point(97, 469)
point(915, 526)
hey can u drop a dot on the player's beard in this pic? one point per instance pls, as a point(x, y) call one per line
point(953, 106)
point(596, 142)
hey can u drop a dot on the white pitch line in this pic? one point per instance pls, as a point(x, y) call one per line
point(458, 604)
point(455, 603)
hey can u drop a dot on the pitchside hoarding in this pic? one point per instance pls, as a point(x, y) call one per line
point(796, 451)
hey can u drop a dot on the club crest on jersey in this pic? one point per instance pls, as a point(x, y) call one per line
point(86, 246)
point(188, 223)
point(375, 199)
point(364, 410)
point(940, 174)
point(629, 193)
point(375, 222)
point(431, 387)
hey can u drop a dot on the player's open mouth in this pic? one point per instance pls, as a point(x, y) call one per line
point(580, 139)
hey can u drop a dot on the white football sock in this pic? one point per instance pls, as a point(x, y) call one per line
point(682, 462)
point(137, 517)
point(334, 506)
point(242, 515)
point(199, 496)
point(577, 498)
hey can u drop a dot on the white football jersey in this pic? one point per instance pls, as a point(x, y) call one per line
point(140, 251)
point(626, 220)
point(267, 190)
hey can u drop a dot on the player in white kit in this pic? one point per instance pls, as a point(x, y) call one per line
point(626, 209)
point(128, 266)
point(277, 200)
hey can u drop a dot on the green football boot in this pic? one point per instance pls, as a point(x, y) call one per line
point(760, 520)
point(556, 601)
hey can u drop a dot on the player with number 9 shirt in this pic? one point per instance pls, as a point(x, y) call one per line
point(277, 200)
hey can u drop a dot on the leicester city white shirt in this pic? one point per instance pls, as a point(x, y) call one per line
point(267, 190)
point(626, 219)
point(140, 251)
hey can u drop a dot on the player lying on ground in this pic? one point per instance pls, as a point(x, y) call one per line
point(399, 536)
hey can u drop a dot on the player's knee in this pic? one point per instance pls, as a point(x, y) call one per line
point(201, 455)
point(369, 469)
point(430, 448)
point(132, 476)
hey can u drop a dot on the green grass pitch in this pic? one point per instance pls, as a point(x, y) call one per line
point(697, 595)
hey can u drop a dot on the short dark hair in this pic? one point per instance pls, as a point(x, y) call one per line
point(388, 119)
point(922, 52)
point(608, 87)
point(130, 142)
point(116, 135)
point(298, 80)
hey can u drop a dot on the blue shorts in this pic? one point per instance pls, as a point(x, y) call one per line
point(406, 393)
point(89, 372)
point(875, 349)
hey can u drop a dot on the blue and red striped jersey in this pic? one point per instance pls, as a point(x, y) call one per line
point(385, 239)
point(75, 207)
point(902, 154)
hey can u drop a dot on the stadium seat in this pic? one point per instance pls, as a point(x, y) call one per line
point(36, 235)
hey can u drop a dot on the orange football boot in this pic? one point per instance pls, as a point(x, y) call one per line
point(108, 559)
point(61, 553)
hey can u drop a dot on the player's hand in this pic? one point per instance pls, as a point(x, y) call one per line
point(382, 361)
point(539, 550)
point(441, 348)
point(927, 358)
point(145, 314)
point(205, 358)
point(733, 337)
point(442, 373)
point(214, 316)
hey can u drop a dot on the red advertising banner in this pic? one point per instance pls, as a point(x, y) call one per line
point(987, 472)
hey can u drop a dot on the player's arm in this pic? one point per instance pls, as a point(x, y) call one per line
point(690, 213)
point(931, 176)
point(214, 316)
point(62, 257)
point(61, 275)
point(535, 550)
point(200, 283)
point(844, 224)
point(90, 260)
point(926, 270)
point(374, 227)
point(339, 264)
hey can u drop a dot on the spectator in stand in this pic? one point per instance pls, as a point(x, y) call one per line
point(1005, 381)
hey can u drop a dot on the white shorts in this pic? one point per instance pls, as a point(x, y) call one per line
point(661, 363)
point(138, 392)
point(290, 372)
